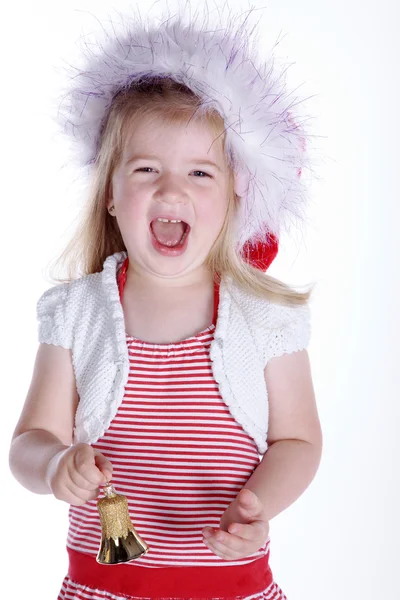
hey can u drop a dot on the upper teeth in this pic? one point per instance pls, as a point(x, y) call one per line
point(169, 220)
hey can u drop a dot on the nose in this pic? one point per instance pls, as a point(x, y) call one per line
point(171, 190)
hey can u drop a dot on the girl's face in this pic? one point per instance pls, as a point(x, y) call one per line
point(164, 174)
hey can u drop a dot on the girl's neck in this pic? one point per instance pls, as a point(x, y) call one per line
point(139, 279)
point(156, 314)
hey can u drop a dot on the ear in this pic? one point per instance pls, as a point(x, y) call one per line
point(110, 199)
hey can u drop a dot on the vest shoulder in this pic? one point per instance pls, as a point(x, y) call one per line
point(88, 291)
point(259, 305)
point(74, 287)
point(67, 300)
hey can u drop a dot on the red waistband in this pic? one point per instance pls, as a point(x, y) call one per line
point(167, 582)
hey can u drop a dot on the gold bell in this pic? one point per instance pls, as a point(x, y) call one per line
point(120, 542)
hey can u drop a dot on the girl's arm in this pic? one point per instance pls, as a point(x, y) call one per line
point(294, 434)
point(46, 423)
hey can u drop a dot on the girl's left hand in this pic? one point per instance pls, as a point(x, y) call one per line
point(244, 528)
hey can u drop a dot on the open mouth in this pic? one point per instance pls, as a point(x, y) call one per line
point(169, 233)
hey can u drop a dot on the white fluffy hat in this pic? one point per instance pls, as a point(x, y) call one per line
point(211, 54)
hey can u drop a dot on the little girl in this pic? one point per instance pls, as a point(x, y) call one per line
point(175, 365)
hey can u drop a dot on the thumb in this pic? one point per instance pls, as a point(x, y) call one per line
point(103, 464)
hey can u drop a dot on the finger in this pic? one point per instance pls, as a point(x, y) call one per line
point(103, 464)
point(83, 493)
point(82, 482)
point(229, 546)
point(80, 485)
point(219, 551)
point(86, 468)
point(76, 495)
point(223, 539)
point(79, 480)
point(257, 530)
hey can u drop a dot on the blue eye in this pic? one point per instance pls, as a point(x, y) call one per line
point(204, 173)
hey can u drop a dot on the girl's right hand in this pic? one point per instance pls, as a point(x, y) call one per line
point(75, 474)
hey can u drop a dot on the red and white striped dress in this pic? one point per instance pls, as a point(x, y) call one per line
point(180, 458)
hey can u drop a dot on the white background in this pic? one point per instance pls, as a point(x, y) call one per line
point(341, 538)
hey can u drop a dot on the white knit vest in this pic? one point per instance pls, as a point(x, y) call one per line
point(86, 316)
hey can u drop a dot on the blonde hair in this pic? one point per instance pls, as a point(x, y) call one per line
point(98, 235)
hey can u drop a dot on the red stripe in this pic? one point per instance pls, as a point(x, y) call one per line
point(133, 580)
point(156, 376)
point(174, 366)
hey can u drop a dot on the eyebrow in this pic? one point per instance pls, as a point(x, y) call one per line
point(200, 161)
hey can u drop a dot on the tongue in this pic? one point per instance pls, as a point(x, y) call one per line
point(168, 234)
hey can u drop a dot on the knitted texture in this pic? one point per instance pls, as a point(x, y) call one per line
point(250, 331)
point(86, 316)
point(50, 311)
